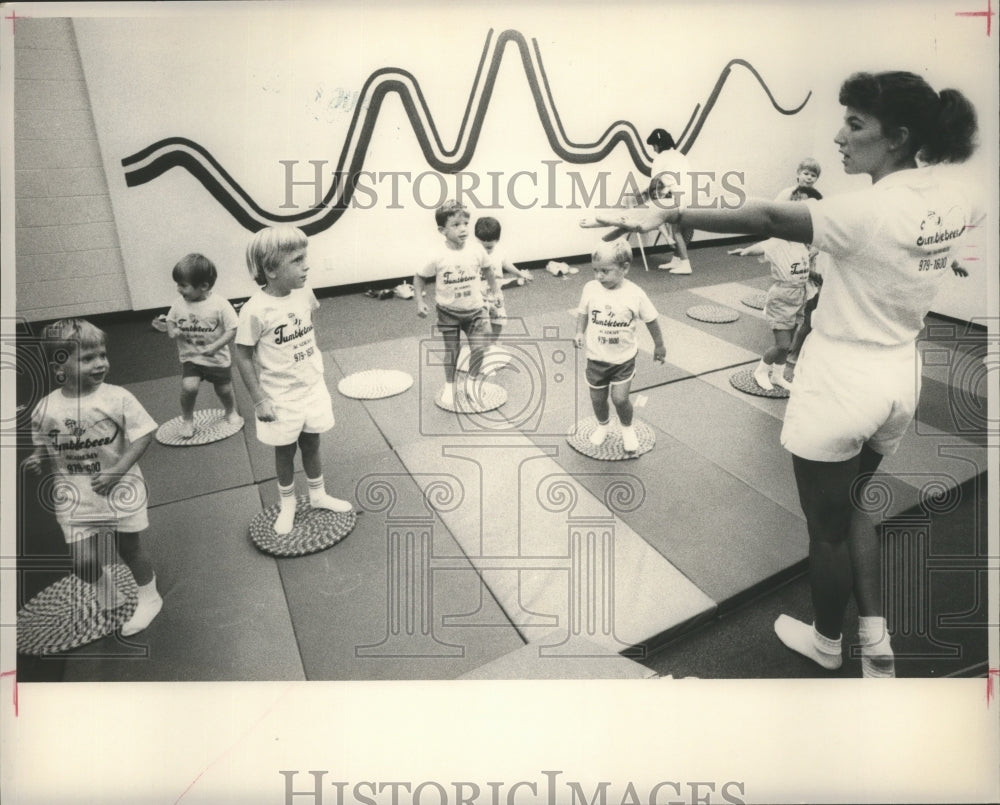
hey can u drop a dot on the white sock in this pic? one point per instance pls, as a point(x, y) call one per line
point(877, 660)
point(286, 515)
point(778, 375)
point(600, 434)
point(148, 608)
point(803, 638)
point(630, 439)
point(318, 498)
point(762, 374)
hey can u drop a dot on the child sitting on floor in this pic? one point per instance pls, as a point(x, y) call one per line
point(282, 367)
point(610, 309)
point(92, 434)
point(786, 298)
point(203, 325)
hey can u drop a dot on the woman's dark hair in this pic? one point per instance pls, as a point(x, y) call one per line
point(662, 139)
point(942, 126)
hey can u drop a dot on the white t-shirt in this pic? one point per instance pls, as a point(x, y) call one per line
point(85, 436)
point(889, 246)
point(201, 323)
point(789, 261)
point(280, 329)
point(612, 318)
point(459, 275)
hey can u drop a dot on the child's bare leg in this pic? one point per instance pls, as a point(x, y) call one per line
point(134, 555)
point(623, 405)
point(87, 567)
point(452, 345)
point(599, 400)
point(224, 391)
point(779, 354)
point(189, 394)
point(311, 463)
point(284, 465)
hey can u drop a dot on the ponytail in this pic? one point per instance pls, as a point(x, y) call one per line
point(952, 137)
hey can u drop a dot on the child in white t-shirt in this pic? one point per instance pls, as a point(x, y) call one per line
point(90, 435)
point(458, 270)
point(203, 325)
point(610, 309)
point(281, 364)
point(487, 232)
point(786, 298)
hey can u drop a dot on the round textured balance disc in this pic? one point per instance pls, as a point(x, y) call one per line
point(373, 384)
point(611, 449)
point(312, 530)
point(744, 381)
point(755, 300)
point(489, 397)
point(716, 314)
point(65, 614)
point(210, 425)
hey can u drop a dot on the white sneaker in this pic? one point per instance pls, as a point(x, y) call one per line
point(630, 439)
point(600, 434)
point(682, 267)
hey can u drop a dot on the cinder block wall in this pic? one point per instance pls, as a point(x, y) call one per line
point(68, 258)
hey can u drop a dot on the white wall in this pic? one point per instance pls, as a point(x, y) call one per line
point(258, 85)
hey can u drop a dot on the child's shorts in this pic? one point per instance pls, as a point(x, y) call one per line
point(82, 513)
point(601, 374)
point(312, 413)
point(848, 394)
point(216, 375)
point(783, 307)
point(470, 322)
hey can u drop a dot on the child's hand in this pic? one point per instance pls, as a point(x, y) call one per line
point(35, 463)
point(422, 309)
point(660, 354)
point(737, 252)
point(104, 482)
point(264, 411)
point(578, 340)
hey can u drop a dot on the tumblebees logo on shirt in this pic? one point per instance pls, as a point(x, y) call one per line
point(81, 445)
point(937, 231)
point(607, 318)
point(284, 333)
point(454, 278)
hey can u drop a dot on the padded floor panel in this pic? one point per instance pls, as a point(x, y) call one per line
point(734, 540)
point(178, 473)
point(552, 554)
point(747, 332)
point(224, 615)
point(592, 662)
point(378, 604)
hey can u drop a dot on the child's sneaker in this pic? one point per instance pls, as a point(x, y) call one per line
point(160, 323)
point(600, 434)
point(630, 439)
point(682, 267)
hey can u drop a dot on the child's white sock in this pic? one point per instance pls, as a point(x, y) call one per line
point(762, 374)
point(448, 395)
point(234, 418)
point(107, 592)
point(148, 608)
point(778, 376)
point(630, 439)
point(600, 433)
point(803, 638)
point(286, 515)
point(186, 429)
point(318, 498)
point(877, 659)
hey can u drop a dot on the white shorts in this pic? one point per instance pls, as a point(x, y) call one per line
point(82, 513)
point(312, 413)
point(847, 395)
point(783, 308)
